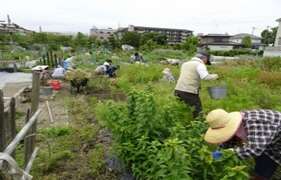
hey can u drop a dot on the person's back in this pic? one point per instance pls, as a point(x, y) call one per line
point(58, 73)
point(189, 80)
point(100, 70)
point(111, 71)
point(59, 70)
point(137, 57)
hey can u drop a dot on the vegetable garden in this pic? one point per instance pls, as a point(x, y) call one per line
point(153, 132)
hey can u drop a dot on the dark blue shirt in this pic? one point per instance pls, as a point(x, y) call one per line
point(111, 72)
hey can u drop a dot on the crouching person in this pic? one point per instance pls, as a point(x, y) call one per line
point(110, 72)
point(100, 70)
point(249, 133)
point(58, 73)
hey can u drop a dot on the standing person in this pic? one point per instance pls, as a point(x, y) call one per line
point(111, 71)
point(189, 82)
point(100, 70)
point(58, 73)
point(137, 57)
point(258, 129)
point(167, 75)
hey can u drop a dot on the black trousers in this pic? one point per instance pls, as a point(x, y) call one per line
point(265, 166)
point(192, 100)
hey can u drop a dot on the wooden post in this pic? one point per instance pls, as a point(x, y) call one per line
point(44, 59)
point(13, 122)
point(2, 125)
point(60, 62)
point(34, 104)
point(27, 142)
point(56, 60)
point(52, 59)
point(48, 59)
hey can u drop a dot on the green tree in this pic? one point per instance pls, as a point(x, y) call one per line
point(131, 38)
point(64, 40)
point(20, 39)
point(268, 36)
point(39, 38)
point(113, 41)
point(159, 38)
point(81, 40)
point(246, 41)
point(149, 46)
point(190, 44)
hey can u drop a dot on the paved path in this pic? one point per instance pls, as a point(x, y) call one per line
point(11, 89)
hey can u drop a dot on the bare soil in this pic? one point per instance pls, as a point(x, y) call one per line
point(54, 112)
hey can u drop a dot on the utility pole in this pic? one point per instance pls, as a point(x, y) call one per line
point(253, 30)
point(2, 56)
point(11, 40)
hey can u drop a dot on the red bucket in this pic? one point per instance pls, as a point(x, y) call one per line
point(55, 84)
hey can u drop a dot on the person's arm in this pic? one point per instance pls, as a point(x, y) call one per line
point(132, 60)
point(260, 135)
point(229, 144)
point(141, 58)
point(204, 74)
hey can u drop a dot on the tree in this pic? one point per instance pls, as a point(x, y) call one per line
point(39, 38)
point(131, 38)
point(149, 46)
point(159, 38)
point(246, 41)
point(268, 36)
point(190, 44)
point(81, 40)
point(20, 39)
point(113, 41)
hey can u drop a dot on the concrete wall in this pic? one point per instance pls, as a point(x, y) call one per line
point(272, 51)
point(278, 34)
point(220, 48)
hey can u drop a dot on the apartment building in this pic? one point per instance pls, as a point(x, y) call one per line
point(102, 34)
point(174, 36)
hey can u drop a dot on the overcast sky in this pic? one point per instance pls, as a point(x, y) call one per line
point(199, 16)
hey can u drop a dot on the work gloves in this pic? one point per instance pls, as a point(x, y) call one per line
point(217, 154)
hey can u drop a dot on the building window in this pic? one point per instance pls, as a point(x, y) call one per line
point(108, 33)
point(218, 39)
point(279, 41)
point(101, 32)
point(101, 37)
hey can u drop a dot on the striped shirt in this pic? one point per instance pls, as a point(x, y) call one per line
point(263, 129)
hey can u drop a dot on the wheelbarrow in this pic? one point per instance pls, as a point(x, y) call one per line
point(78, 84)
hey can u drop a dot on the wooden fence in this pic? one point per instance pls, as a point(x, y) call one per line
point(52, 60)
point(27, 132)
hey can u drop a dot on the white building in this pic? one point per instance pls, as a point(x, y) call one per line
point(255, 40)
point(102, 34)
point(278, 34)
point(276, 50)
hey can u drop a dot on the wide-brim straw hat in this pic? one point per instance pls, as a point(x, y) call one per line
point(166, 70)
point(223, 125)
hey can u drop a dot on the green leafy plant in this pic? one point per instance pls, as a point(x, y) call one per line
point(157, 143)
